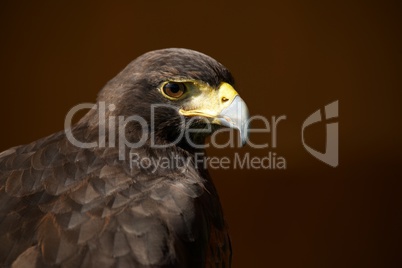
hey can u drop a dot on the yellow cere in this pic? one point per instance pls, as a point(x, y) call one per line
point(206, 101)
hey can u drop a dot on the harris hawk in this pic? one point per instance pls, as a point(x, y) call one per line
point(77, 199)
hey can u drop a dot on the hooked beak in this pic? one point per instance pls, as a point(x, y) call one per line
point(236, 116)
point(223, 107)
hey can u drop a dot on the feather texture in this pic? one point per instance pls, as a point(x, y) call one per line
point(65, 206)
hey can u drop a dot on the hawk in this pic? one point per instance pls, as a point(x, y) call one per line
point(97, 194)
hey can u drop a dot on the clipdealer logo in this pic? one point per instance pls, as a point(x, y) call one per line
point(331, 154)
point(271, 160)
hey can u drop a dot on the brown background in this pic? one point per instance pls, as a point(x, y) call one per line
point(289, 58)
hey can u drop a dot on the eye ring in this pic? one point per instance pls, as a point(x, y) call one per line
point(174, 90)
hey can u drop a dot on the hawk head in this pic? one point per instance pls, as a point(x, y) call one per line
point(174, 90)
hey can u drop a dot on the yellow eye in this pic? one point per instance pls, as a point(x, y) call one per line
point(174, 90)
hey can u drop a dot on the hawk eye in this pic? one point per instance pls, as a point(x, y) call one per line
point(174, 90)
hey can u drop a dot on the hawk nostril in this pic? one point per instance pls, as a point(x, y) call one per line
point(224, 99)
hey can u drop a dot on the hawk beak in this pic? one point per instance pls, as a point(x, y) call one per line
point(223, 107)
point(235, 116)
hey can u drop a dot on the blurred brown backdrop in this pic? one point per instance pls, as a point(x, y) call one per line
point(289, 58)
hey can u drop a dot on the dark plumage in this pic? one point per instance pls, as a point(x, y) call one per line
point(66, 206)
